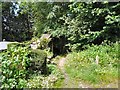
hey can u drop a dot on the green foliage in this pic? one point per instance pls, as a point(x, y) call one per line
point(80, 22)
point(108, 55)
point(38, 61)
point(93, 27)
point(38, 55)
point(84, 65)
point(39, 12)
point(44, 43)
point(35, 82)
point(15, 63)
point(56, 76)
point(40, 81)
point(49, 53)
point(15, 28)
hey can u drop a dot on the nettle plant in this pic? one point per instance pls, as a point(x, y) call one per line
point(15, 63)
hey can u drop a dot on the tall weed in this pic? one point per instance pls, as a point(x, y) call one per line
point(82, 65)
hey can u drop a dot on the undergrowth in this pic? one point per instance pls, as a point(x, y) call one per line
point(46, 81)
point(15, 72)
point(82, 65)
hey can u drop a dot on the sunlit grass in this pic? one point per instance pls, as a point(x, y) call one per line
point(82, 65)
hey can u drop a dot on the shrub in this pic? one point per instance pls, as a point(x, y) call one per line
point(42, 81)
point(15, 63)
point(38, 61)
point(39, 81)
point(35, 81)
point(44, 43)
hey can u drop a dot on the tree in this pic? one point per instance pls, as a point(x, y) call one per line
point(15, 26)
point(80, 23)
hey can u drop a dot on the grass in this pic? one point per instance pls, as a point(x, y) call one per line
point(56, 71)
point(82, 65)
point(53, 80)
point(58, 83)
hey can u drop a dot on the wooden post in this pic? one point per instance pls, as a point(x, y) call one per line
point(97, 60)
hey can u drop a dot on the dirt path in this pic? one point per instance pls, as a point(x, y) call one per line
point(73, 83)
point(68, 82)
point(61, 67)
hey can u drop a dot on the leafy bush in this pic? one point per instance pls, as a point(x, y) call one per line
point(81, 23)
point(39, 81)
point(84, 65)
point(44, 43)
point(35, 81)
point(42, 81)
point(38, 61)
point(49, 53)
point(15, 63)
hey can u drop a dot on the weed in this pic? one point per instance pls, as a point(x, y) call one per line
point(81, 65)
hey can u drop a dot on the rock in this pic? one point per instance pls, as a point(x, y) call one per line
point(34, 45)
point(4, 45)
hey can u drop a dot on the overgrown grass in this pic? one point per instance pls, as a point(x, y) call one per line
point(52, 80)
point(82, 65)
